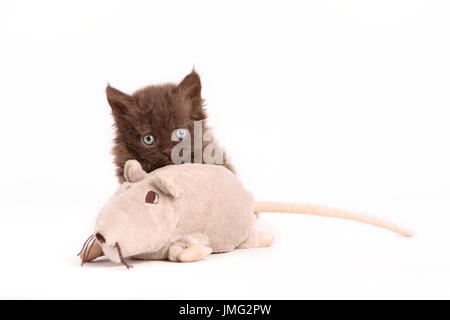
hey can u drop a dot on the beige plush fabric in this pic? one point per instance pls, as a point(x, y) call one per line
point(197, 204)
point(185, 212)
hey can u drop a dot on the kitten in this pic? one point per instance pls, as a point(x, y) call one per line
point(147, 120)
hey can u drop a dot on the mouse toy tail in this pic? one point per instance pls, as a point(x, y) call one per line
point(318, 210)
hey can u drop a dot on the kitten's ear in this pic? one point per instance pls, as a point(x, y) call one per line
point(118, 100)
point(191, 88)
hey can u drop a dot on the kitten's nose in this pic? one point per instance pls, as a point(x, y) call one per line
point(100, 237)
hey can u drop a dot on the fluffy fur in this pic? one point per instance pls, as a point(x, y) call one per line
point(157, 110)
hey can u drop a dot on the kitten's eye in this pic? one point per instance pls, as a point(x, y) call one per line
point(149, 140)
point(152, 197)
point(179, 134)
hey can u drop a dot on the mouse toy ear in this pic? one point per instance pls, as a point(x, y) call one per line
point(133, 171)
point(168, 185)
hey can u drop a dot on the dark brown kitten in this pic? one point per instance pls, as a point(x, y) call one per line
point(155, 111)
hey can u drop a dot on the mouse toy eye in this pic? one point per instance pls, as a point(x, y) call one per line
point(149, 140)
point(179, 134)
point(152, 197)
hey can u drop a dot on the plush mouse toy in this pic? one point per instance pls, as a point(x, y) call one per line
point(185, 212)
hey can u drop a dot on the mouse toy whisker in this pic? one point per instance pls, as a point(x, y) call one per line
point(84, 244)
point(121, 257)
point(87, 251)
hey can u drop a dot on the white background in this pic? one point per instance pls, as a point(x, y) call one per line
point(343, 103)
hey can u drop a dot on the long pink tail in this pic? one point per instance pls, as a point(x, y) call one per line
point(318, 210)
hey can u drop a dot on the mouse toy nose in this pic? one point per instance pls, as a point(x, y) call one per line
point(100, 237)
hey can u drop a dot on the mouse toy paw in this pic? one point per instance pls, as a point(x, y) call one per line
point(265, 239)
point(194, 253)
point(189, 248)
point(257, 239)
